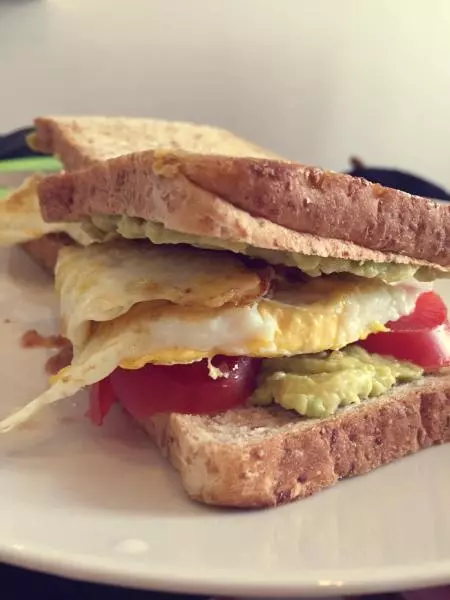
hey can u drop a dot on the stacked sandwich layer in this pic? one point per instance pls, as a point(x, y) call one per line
point(241, 307)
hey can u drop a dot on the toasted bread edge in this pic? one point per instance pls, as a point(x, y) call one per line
point(258, 457)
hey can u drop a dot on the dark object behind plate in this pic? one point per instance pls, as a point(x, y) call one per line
point(400, 180)
point(14, 145)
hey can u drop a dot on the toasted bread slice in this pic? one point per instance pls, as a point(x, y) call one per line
point(81, 141)
point(341, 217)
point(258, 457)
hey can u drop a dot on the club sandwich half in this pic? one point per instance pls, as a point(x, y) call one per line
point(272, 326)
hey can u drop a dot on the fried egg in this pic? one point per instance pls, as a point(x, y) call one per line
point(104, 281)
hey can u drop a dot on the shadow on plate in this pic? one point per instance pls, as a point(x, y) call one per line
point(114, 467)
point(23, 270)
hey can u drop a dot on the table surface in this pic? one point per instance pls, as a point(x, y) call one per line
point(20, 582)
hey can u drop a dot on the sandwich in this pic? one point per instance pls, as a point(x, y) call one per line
point(78, 142)
point(273, 327)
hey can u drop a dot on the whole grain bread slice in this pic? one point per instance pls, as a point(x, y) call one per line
point(269, 204)
point(259, 457)
point(82, 141)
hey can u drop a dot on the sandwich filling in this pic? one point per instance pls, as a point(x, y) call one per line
point(107, 226)
point(160, 327)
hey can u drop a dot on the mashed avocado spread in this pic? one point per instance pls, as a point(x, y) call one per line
point(317, 385)
point(314, 266)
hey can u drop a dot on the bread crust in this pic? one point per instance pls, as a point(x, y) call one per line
point(328, 204)
point(156, 186)
point(44, 250)
point(259, 457)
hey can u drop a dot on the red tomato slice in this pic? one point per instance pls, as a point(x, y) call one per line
point(101, 399)
point(430, 311)
point(423, 337)
point(176, 388)
point(428, 348)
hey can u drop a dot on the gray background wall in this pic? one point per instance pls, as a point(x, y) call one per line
point(316, 80)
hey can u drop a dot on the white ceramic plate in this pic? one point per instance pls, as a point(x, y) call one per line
point(100, 504)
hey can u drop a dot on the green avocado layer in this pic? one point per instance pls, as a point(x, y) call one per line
point(317, 385)
point(314, 266)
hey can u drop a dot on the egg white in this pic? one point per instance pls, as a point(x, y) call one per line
point(104, 281)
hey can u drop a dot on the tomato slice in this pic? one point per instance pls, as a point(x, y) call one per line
point(430, 311)
point(428, 348)
point(423, 337)
point(101, 399)
point(176, 388)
